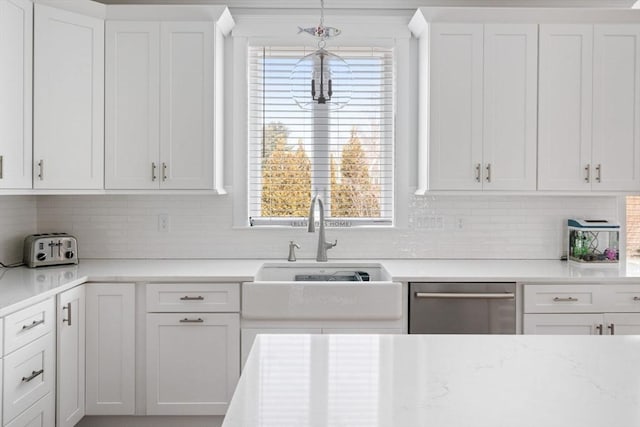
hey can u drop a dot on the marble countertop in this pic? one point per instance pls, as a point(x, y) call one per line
point(439, 381)
point(20, 287)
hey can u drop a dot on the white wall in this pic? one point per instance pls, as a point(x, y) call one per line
point(17, 219)
point(518, 227)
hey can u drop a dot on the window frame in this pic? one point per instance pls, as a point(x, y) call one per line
point(376, 30)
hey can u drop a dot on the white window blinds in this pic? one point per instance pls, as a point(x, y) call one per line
point(344, 155)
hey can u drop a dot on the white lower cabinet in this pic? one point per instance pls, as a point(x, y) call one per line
point(70, 387)
point(110, 349)
point(29, 375)
point(575, 309)
point(41, 414)
point(192, 362)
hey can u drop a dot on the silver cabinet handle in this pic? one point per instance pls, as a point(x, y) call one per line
point(612, 328)
point(32, 325)
point(478, 175)
point(32, 376)
point(599, 329)
point(164, 171)
point(153, 171)
point(68, 319)
point(185, 320)
point(598, 173)
point(488, 172)
point(188, 298)
point(568, 299)
point(1, 167)
point(587, 169)
point(41, 170)
point(462, 295)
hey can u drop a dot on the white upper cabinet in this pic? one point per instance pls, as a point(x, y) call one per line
point(589, 107)
point(483, 106)
point(16, 51)
point(616, 107)
point(68, 112)
point(565, 107)
point(510, 104)
point(132, 105)
point(186, 116)
point(164, 93)
point(456, 106)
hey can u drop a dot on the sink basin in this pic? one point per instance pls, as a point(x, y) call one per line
point(322, 291)
point(323, 272)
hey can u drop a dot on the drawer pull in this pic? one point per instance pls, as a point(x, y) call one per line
point(612, 328)
point(185, 320)
point(32, 376)
point(568, 299)
point(599, 329)
point(636, 298)
point(187, 298)
point(32, 325)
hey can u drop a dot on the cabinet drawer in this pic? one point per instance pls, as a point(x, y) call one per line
point(26, 325)
point(193, 297)
point(29, 375)
point(39, 415)
point(563, 299)
point(623, 298)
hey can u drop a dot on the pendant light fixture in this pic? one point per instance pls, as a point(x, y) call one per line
point(321, 78)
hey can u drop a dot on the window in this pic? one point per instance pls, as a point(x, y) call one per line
point(344, 155)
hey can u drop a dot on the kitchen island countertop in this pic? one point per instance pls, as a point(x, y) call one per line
point(439, 381)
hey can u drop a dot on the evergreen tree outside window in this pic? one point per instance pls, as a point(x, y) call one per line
point(344, 155)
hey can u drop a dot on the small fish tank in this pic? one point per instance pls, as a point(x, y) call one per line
point(593, 242)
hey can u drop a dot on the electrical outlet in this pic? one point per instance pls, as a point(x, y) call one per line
point(163, 223)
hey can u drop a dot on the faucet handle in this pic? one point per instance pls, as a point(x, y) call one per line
point(292, 251)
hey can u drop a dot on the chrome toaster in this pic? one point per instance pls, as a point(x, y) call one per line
point(50, 249)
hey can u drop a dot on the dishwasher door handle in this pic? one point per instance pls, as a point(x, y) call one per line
point(463, 295)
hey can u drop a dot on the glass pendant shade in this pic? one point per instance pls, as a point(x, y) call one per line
point(321, 78)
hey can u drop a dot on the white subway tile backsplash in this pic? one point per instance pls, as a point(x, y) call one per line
point(201, 227)
point(18, 218)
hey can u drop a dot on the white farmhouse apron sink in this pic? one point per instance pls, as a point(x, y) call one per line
point(277, 295)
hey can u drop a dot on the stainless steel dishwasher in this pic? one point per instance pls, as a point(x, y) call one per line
point(462, 308)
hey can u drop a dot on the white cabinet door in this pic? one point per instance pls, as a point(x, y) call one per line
point(16, 34)
point(68, 100)
point(186, 98)
point(71, 357)
point(510, 106)
point(456, 107)
point(110, 349)
point(565, 107)
point(132, 116)
point(622, 323)
point(192, 362)
point(616, 101)
point(563, 324)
